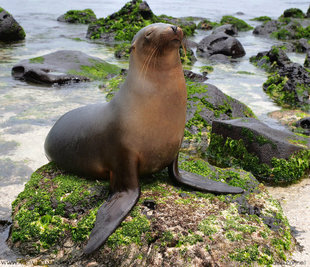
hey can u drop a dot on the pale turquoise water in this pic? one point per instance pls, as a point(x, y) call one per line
point(28, 111)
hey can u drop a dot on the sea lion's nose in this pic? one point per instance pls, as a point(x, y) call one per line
point(174, 28)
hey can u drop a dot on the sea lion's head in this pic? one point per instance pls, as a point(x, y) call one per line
point(157, 42)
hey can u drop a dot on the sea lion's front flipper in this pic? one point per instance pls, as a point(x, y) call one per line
point(199, 182)
point(109, 217)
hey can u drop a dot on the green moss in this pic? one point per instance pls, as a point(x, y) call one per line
point(85, 16)
point(261, 18)
point(239, 23)
point(207, 25)
point(112, 86)
point(206, 69)
point(37, 60)
point(293, 13)
point(208, 226)
point(245, 72)
point(125, 23)
point(230, 152)
point(197, 96)
point(97, 71)
point(252, 254)
point(131, 231)
point(274, 87)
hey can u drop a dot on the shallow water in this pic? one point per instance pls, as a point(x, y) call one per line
point(28, 111)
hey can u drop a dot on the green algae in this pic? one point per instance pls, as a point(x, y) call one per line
point(230, 152)
point(210, 217)
point(125, 23)
point(239, 23)
point(207, 25)
point(293, 13)
point(98, 70)
point(261, 18)
point(85, 16)
point(37, 60)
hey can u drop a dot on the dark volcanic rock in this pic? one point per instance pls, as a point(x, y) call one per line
point(307, 60)
point(194, 76)
point(60, 67)
point(227, 28)
point(288, 82)
point(260, 139)
point(10, 30)
point(305, 124)
point(220, 43)
point(266, 28)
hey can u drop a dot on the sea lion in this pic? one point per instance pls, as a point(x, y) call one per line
point(138, 132)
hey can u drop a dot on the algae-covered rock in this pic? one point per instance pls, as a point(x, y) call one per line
point(170, 225)
point(292, 119)
point(10, 30)
point(270, 154)
point(240, 24)
point(205, 103)
point(62, 67)
point(293, 13)
point(288, 83)
point(307, 59)
point(85, 16)
point(133, 16)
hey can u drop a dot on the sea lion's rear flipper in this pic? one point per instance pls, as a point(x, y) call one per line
point(199, 182)
point(109, 217)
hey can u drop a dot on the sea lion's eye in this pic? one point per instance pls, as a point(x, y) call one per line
point(148, 34)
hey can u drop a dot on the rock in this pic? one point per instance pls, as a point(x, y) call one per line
point(293, 13)
point(268, 153)
point(305, 124)
point(288, 82)
point(266, 28)
point(206, 24)
point(10, 30)
point(220, 43)
point(85, 16)
point(62, 67)
point(227, 28)
point(205, 104)
point(307, 59)
point(194, 76)
point(240, 24)
point(302, 45)
point(183, 224)
point(119, 25)
point(220, 58)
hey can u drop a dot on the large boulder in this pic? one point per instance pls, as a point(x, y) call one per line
point(220, 43)
point(169, 226)
point(10, 30)
point(270, 154)
point(62, 67)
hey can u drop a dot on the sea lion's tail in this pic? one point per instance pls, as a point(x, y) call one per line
point(109, 217)
point(199, 182)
